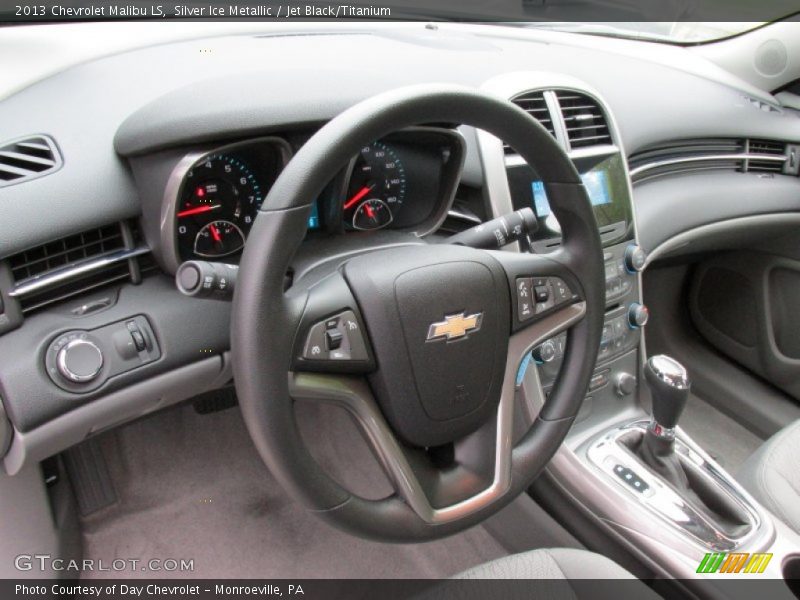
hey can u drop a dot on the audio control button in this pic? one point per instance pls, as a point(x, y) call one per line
point(638, 315)
point(635, 258)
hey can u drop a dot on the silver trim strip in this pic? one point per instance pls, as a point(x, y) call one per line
point(354, 395)
point(743, 156)
point(51, 278)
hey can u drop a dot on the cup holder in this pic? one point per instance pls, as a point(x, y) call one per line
point(791, 573)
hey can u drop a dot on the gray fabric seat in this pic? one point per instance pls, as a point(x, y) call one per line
point(772, 475)
point(550, 573)
point(549, 563)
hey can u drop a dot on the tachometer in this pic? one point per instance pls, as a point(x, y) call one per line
point(377, 185)
point(218, 203)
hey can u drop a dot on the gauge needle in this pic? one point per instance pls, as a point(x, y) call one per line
point(198, 210)
point(370, 212)
point(215, 233)
point(358, 196)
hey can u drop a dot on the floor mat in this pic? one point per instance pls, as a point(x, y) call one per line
point(193, 487)
point(719, 435)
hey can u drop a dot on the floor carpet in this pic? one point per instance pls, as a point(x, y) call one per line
point(192, 486)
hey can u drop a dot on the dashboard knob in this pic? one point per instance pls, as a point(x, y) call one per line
point(638, 314)
point(79, 361)
point(624, 384)
point(545, 352)
point(635, 258)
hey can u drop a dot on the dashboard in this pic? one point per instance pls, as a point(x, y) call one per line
point(146, 177)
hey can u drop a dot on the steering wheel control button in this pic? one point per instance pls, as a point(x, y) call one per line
point(337, 338)
point(333, 339)
point(525, 301)
point(541, 293)
point(79, 360)
point(638, 315)
point(561, 291)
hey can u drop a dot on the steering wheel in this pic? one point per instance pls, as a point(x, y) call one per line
point(421, 343)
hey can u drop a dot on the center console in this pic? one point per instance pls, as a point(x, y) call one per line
point(641, 479)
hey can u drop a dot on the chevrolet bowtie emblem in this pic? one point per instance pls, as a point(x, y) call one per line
point(455, 326)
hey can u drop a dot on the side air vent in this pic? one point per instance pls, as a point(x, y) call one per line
point(683, 156)
point(769, 148)
point(535, 104)
point(78, 263)
point(584, 120)
point(27, 158)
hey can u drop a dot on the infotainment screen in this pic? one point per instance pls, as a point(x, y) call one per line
point(596, 183)
point(606, 185)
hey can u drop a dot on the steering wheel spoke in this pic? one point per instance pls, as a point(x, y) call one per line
point(479, 471)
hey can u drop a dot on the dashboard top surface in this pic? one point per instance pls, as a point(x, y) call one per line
point(144, 99)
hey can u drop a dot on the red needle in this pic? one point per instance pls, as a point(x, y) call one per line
point(215, 233)
point(370, 212)
point(197, 211)
point(358, 196)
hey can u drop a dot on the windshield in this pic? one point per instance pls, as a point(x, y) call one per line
point(675, 32)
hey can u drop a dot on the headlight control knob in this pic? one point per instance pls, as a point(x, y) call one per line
point(79, 361)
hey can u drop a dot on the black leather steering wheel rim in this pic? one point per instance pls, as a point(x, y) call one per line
point(262, 343)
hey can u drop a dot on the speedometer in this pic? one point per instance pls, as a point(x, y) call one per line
point(378, 180)
point(216, 208)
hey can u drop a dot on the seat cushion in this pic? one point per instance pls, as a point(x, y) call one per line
point(550, 563)
point(772, 475)
point(557, 573)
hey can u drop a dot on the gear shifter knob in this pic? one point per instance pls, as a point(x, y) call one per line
point(669, 385)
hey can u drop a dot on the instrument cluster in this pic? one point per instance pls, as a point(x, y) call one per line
point(405, 181)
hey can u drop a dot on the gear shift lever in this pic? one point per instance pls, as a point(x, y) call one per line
point(669, 387)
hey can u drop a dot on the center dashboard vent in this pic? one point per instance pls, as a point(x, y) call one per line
point(27, 158)
point(78, 263)
point(584, 120)
point(580, 117)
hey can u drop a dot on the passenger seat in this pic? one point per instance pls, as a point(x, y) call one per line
point(772, 475)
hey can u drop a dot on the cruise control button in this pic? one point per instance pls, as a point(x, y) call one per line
point(333, 339)
point(315, 343)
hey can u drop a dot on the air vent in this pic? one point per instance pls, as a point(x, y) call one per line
point(77, 263)
point(682, 156)
point(766, 147)
point(27, 158)
point(584, 120)
point(535, 104)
